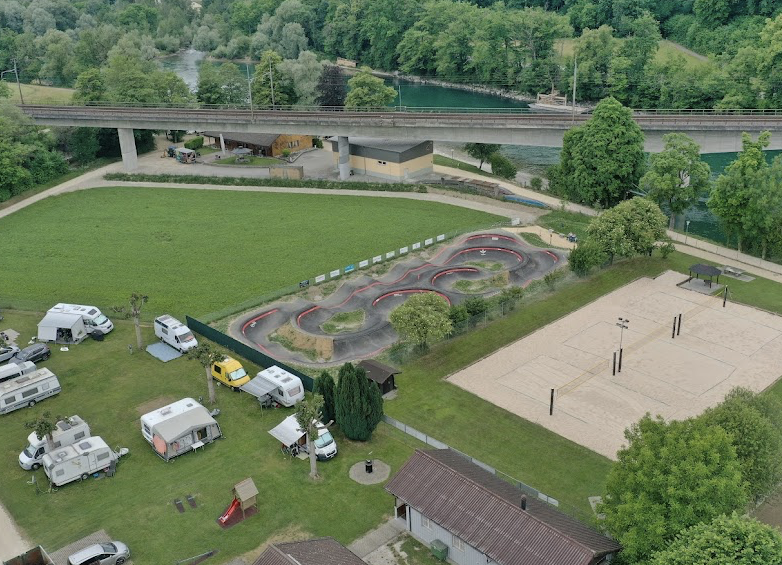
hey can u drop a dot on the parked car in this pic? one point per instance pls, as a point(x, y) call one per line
point(111, 553)
point(7, 351)
point(35, 353)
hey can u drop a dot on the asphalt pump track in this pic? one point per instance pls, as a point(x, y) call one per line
point(466, 259)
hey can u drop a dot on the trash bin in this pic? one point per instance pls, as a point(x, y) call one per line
point(439, 550)
point(368, 465)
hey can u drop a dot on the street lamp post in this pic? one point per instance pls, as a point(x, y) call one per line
point(550, 235)
point(623, 324)
point(686, 230)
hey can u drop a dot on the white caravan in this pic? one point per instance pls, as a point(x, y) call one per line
point(94, 320)
point(174, 333)
point(292, 437)
point(66, 432)
point(277, 384)
point(27, 390)
point(79, 461)
point(12, 370)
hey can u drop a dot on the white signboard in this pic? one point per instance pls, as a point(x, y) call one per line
point(320, 279)
point(402, 250)
point(429, 241)
point(441, 237)
point(333, 274)
point(389, 254)
point(416, 246)
point(377, 259)
point(363, 264)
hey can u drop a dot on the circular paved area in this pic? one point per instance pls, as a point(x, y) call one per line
point(380, 472)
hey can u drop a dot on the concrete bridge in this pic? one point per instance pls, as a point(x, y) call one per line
point(715, 131)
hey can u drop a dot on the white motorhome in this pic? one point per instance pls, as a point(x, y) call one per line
point(66, 432)
point(278, 384)
point(12, 370)
point(181, 427)
point(79, 461)
point(174, 333)
point(27, 390)
point(291, 436)
point(94, 319)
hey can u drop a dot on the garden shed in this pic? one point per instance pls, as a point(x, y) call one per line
point(382, 375)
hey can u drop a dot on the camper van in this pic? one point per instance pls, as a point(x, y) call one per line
point(27, 390)
point(174, 333)
point(278, 384)
point(13, 370)
point(94, 320)
point(178, 428)
point(78, 461)
point(230, 373)
point(294, 439)
point(66, 432)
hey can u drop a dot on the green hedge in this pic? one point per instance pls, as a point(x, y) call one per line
point(195, 143)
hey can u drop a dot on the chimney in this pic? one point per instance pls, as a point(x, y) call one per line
point(523, 501)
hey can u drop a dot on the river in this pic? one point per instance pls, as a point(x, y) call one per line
point(532, 159)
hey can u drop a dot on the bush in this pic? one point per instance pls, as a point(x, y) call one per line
point(317, 142)
point(553, 278)
point(195, 143)
point(502, 166)
point(586, 256)
point(666, 249)
point(5, 194)
point(536, 183)
point(459, 316)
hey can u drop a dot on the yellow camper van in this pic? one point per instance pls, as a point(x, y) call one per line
point(230, 372)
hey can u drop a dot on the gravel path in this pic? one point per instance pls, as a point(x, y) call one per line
point(12, 542)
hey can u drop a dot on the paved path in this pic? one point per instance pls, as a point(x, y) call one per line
point(726, 260)
point(12, 542)
point(378, 537)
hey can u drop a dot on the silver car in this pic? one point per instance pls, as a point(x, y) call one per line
point(110, 553)
point(7, 351)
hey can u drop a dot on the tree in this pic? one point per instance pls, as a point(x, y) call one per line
point(206, 355)
point(727, 539)
point(308, 417)
point(83, 144)
point(270, 86)
point(630, 228)
point(137, 301)
point(365, 90)
point(359, 406)
point(423, 317)
point(5, 92)
point(43, 426)
point(90, 86)
point(756, 437)
point(502, 166)
point(762, 218)
point(304, 73)
point(331, 88)
point(676, 175)
point(481, 151)
point(585, 256)
point(731, 193)
point(602, 159)
point(324, 386)
point(670, 476)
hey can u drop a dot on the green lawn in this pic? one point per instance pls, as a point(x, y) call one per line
point(196, 251)
point(109, 388)
point(37, 94)
point(566, 222)
point(251, 160)
point(665, 51)
point(456, 164)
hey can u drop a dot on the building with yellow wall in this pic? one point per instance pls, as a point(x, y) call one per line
point(389, 159)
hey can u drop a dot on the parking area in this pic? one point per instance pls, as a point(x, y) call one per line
point(715, 350)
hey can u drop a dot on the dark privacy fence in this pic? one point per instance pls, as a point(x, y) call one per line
point(245, 350)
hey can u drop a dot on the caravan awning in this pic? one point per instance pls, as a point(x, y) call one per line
point(287, 431)
point(59, 320)
point(258, 387)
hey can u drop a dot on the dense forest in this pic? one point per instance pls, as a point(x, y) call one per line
point(526, 46)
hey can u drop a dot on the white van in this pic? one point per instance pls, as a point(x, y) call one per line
point(27, 390)
point(278, 384)
point(79, 461)
point(67, 431)
point(94, 320)
point(174, 333)
point(293, 438)
point(13, 370)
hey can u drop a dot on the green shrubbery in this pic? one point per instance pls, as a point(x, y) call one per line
point(195, 143)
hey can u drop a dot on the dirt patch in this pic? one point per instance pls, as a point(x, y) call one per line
point(322, 346)
point(291, 533)
point(154, 404)
point(770, 512)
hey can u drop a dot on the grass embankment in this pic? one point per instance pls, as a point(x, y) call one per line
point(566, 222)
point(456, 164)
point(111, 389)
point(37, 94)
point(196, 251)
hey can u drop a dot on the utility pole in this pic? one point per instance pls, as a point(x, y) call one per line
point(271, 80)
point(575, 74)
point(250, 91)
point(18, 84)
point(400, 96)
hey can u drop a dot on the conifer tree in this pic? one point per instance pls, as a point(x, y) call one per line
point(324, 386)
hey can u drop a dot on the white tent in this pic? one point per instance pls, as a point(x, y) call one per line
point(61, 328)
point(288, 431)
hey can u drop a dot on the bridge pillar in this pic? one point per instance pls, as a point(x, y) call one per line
point(127, 145)
point(344, 157)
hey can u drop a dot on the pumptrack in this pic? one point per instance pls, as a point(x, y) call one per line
point(475, 257)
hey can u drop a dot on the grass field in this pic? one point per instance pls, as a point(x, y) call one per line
point(251, 160)
point(37, 94)
point(111, 389)
point(456, 164)
point(566, 222)
point(666, 50)
point(196, 251)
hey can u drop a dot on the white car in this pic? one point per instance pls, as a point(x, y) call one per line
point(110, 553)
point(7, 351)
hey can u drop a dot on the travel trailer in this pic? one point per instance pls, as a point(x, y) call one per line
point(276, 384)
point(178, 428)
point(27, 390)
point(93, 318)
point(78, 461)
point(66, 432)
point(174, 333)
point(12, 370)
point(294, 439)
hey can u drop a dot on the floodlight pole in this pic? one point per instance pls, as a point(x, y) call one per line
point(686, 229)
point(623, 325)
